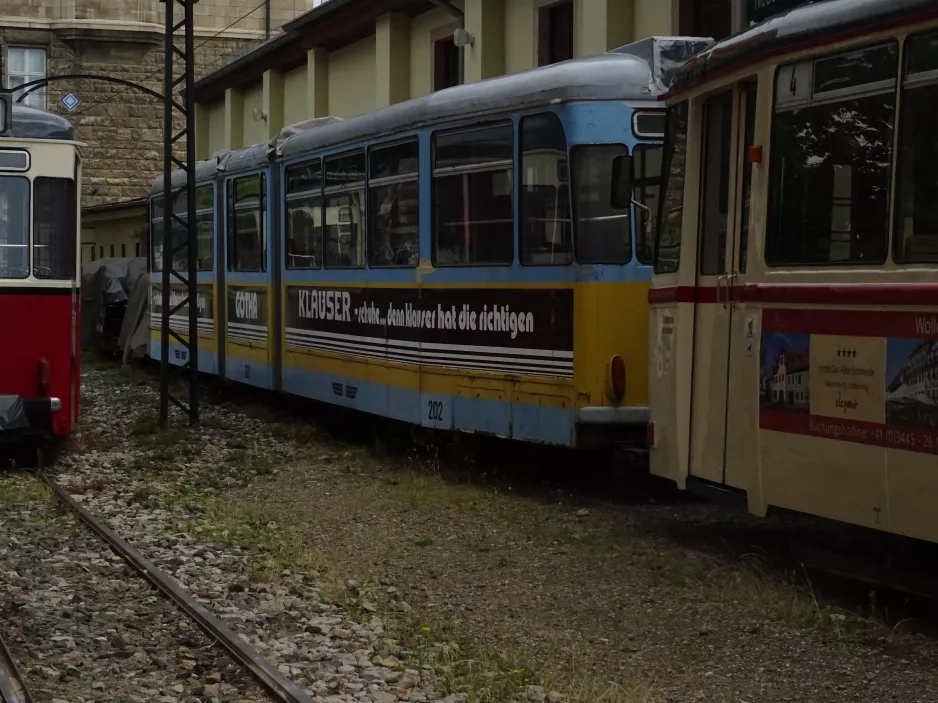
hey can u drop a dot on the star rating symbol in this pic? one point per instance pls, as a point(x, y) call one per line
point(847, 353)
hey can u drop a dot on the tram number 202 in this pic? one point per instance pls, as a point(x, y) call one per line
point(435, 411)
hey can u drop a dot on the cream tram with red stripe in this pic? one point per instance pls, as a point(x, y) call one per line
point(40, 171)
point(794, 306)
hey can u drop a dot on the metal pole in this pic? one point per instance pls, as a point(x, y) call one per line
point(168, 54)
point(193, 227)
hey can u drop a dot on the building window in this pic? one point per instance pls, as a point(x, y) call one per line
point(473, 212)
point(555, 33)
point(112, 251)
point(394, 214)
point(123, 250)
point(706, 18)
point(24, 66)
point(832, 137)
point(445, 63)
point(345, 210)
point(137, 249)
point(101, 252)
point(546, 229)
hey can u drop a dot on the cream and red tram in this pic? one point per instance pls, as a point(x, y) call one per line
point(40, 168)
point(794, 305)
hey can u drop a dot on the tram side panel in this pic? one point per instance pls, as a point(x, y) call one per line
point(206, 298)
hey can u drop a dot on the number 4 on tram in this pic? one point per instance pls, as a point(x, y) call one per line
point(794, 322)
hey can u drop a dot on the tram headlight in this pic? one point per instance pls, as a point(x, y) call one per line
point(617, 378)
point(43, 375)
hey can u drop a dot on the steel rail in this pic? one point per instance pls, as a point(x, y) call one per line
point(262, 670)
point(12, 684)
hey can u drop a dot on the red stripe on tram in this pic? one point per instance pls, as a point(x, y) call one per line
point(804, 294)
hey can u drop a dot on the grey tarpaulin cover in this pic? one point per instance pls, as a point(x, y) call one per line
point(12, 413)
point(135, 329)
point(105, 289)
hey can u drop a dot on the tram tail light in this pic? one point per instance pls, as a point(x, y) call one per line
point(43, 375)
point(617, 376)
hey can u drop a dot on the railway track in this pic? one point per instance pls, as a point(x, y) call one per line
point(13, 687)
point(274, 682)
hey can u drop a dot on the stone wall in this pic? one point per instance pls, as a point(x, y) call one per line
point(121, 127)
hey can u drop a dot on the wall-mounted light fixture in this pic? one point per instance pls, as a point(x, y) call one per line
point(463, 37)
point(259, 115)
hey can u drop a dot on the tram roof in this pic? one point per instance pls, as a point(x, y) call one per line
point(204, 170)
point(33, 123)
point(637, 72)
point(801, 28)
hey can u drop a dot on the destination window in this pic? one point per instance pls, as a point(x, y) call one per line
point(304, 216)
point(473, 209)
point(832, 137)
point(55, 235)
point(345, 210)
point(603, 232)
point(394, 214)
point(14, 227)
point(546, 225)
point(916, 226)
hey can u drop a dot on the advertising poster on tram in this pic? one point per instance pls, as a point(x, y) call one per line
point(501, 330)
point(869, 378)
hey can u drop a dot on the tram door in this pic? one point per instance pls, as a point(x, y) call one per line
point(720, 251)
point(247, 301)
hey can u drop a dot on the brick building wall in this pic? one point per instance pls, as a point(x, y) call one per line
point(121, 126)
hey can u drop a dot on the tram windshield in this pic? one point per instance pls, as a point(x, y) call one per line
point(14, 227)
point(55, 233)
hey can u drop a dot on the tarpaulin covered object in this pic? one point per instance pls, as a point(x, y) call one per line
point(12, 413)
point(105, 289)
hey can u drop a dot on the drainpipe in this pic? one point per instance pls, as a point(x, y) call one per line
point(267, 20)
point(461, 18)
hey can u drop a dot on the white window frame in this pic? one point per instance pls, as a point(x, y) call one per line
point(37, 98)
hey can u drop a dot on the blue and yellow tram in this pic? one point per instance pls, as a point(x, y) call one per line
point(476, 259)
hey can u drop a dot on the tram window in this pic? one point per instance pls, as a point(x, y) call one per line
point(394, 215)
point(546, 227)
point(749, 122)
point(646, 189)
point(715, 172)
point(247, 224)
point(473, 211)
point(831, 160)
point(345, 210)
point(14, 227)
point(304, 216)
point(916, 227)
point(603, 232)
point(205, 228)
point(671, 210)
